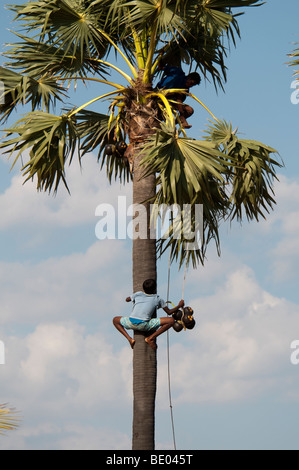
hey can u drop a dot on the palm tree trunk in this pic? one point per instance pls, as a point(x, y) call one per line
point(141, 125)
point(144, 357)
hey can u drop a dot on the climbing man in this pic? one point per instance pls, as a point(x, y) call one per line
point(174, 77)
point(143, 316)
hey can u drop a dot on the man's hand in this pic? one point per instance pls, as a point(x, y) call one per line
point(175, 309)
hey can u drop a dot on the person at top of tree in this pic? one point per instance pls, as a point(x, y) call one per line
point(175, 77)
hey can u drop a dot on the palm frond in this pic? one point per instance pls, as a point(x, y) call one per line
point(229, 177)
point(51, 141)
point(22, 89)
point(38, 58)
point(65, 24)
point(189, 172)
point(185, 166)
point(9, 419)
point(191, 231)
point(295, 61)
point(199, 39)
point(98, 130)
point(252, 172)
point(252, 179)
point(148, 13)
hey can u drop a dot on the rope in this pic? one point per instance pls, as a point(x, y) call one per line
point(168, 363)
point(184, 281)
point(167, 344)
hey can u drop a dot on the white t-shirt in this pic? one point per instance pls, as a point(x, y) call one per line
point(145, 305)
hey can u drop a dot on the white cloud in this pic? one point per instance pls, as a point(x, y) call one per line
point(90, 438)
point(89, 187)
point(285, 254)
point(270, 245)
point(76, 285)
point(240, 347)
point(60, 376)
point(67, 367)
point(63, 359)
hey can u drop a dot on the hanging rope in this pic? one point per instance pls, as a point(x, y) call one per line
point(168, 362)
point(184, 281)
point(167, 342)
point(168, 353)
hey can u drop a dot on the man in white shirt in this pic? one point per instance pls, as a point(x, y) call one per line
point(144, 314)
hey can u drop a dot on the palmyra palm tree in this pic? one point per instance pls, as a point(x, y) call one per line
point(65, 42)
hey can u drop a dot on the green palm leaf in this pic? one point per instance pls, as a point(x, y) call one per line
point(252, 180)
point(70, 39)
point(252, 172)
point(50, 140)
point(185, 167)
point(38, 58)
point(187, 240)
point(22, 89)
point(191, 172)
point(65, 24)
point(162, 14)
point(96, 131)
point(199, 39)
point(230, 177)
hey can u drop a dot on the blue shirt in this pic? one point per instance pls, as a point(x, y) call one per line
point(145, 305)
point(173, 77)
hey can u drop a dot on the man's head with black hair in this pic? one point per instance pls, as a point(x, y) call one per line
point(150, 286)
point(193, 79)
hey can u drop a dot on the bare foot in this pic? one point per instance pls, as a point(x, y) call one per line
point(132, 343)
point(184, 123)
point(151, 343)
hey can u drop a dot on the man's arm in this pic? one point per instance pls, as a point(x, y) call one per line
point(170, 311)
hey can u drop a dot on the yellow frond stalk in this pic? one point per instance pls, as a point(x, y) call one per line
point(166, 104)
point(121, 72)
point(140, 50)
point(75, 111)
point(131, 67)
point(204, 106)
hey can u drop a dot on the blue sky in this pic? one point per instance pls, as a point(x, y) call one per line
point(233, 386)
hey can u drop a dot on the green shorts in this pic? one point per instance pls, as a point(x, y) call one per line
point(131, 324)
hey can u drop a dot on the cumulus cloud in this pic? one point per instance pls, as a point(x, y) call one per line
point(59, 376)
point(239, 350)
point(67, 368)
point(279, 232)
point(72, 286)
point(285, 255)
point(62, 359)
point(240, 347)
point(35, 226)
point(89, 187)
